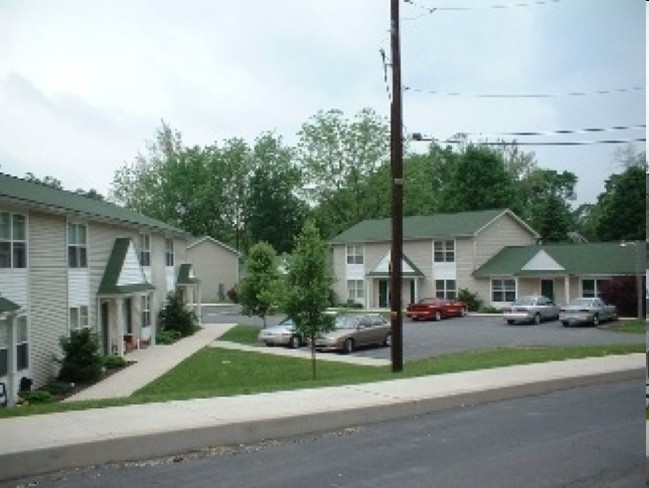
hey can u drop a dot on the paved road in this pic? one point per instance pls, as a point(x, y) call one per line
point(428, 339)
point(585, 437)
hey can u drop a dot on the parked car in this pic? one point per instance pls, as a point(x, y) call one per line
point(587, 311)
point(355, 330)
point(531, 309)
point(282, 334)
point(435, 309)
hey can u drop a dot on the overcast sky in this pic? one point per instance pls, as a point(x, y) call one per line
point(84, 84)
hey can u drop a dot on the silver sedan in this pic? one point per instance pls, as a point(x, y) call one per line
point(282, 334)
point(587, 311)
point(531, 309)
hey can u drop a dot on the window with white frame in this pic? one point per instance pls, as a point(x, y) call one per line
point(78, 318)
point(13, 240)
point(503, 290)
point(355, 290)
point(169, 252)
point(4, 347)
point(592, 288)
point(444, 251)
point(77, 250)
point(445, 289)
point(146, 310)
point(22, 344)
point(145, 250)
point(354, 254)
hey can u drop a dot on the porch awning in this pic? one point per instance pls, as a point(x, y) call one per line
point(7, 306)
point(186, 276)
point(123, 274)
point(408, 268)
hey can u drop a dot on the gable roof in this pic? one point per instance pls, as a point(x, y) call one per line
point(123, 274)
point(199, 240)
point(42, 197)
point(408, 268)
point(460, 224)
point(599, 258)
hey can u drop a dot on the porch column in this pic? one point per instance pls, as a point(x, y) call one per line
point(566, 288)
point(119, 322)
point(416, 297)
point(197, 291)
point(12, 370)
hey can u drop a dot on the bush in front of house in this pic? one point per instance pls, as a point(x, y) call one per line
point(113, 362)
point(489, 309)
point(36, 396)
point(81, 362)
point(166, 337)
point(472, 301)
point(59, 387)
point(175, 316)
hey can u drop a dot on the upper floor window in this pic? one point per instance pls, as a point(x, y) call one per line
point(77, 250)
point(145, 250)
point(13, 240)
point(444, 251)
point(354, 254)
point(169, 252)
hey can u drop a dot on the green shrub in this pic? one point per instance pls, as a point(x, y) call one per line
point(489, 309)
point(113, 362)
point(233, 294)
point(472, 301)
point(37, 396)
point(58, 387)
point(167, 337)
point(174, 316)
point(81, 362)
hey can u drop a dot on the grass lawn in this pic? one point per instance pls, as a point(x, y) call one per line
point(221, 372)
point(635, 326)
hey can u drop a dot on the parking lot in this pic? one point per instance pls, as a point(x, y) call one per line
point(429, 339)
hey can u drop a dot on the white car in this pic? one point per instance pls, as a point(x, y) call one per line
point(587, 311)
point(531, 309)
point(282, 334)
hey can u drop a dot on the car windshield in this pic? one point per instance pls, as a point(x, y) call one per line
point(287, 322)
point(580, 302)
point(525, 301)
point(346, 322)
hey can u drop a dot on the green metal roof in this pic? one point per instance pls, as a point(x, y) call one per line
point(113, 269)
point(600, 258)
point(38, 195)
point(184, 275)
point(462, 224)
point(7, 305)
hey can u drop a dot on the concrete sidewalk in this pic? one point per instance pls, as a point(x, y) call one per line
point(46, 443)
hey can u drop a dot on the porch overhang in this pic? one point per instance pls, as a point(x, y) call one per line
point(408, 268)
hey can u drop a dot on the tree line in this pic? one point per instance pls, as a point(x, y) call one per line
point(338, 174)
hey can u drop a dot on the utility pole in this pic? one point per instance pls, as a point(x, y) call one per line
point(396, 164)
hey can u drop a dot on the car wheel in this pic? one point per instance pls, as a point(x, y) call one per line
point(537, 319)
point(294, 342)
point(438, 316)
point(595, 320)
point(565, 323)
point(510, 322)
point(348, 346)
point(387, 342)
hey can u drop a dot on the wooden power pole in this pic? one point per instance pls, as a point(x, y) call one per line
point(396, 164)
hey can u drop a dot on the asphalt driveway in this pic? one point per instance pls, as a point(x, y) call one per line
point(428, 339)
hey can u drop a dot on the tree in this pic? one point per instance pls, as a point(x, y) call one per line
point(259, 290)
point(273, 212)
point(478, 180)
point(337, 156)
point(309, 279)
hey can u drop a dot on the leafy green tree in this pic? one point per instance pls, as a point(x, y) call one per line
point(176, 317)
point(273, 212)
point(260, 289)
point(478, 180)
point(619, 210)
point(337, 156)
point(309, 278)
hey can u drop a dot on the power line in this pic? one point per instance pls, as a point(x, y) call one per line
point(430, 10)
point(527, 95)
point(587, 130)
point(420, 138)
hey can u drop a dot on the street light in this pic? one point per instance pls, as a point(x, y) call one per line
point(640, 257)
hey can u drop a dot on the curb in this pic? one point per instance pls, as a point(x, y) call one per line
point(173, 442)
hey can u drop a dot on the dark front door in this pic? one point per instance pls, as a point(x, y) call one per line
point(128, 315)
point(384, 297)
point(547, 289)
point(104, 328)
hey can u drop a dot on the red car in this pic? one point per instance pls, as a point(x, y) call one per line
point(436, 309)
